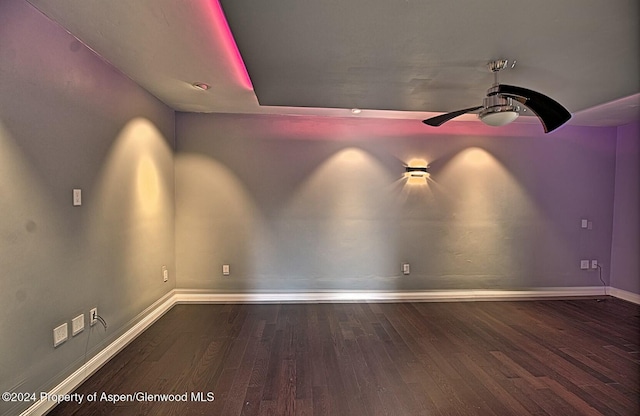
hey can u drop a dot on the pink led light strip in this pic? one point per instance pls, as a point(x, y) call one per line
point(229, 44)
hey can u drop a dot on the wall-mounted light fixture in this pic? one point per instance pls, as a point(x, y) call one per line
point(417, 171)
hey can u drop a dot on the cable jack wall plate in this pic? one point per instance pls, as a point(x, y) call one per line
point(77, 325)
point(93, 316)
point(60, 334)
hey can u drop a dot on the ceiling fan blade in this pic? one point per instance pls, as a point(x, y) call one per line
point(551, 113)
point(443, 118)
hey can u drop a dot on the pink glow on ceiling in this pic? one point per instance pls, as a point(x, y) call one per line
point(229, 44)
point(334, 128)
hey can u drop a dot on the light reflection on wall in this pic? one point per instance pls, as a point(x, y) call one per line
point(131, 208)
point(217, 223)
point(344, 213)
point(148, 186)
point(489, 213)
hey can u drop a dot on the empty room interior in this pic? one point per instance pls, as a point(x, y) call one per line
point(319, 208)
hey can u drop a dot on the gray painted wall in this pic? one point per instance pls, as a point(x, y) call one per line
point(307, 204)
point(69, 120)
point(625, 248)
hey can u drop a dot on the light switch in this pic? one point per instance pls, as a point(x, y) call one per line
point(225, 270)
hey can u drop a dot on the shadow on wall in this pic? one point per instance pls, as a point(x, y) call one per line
point(30, 227)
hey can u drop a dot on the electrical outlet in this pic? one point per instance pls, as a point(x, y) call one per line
point(584, 264)
point(93, 316)
point(225, 270)
point(60, 334)
point(584, 223)
point(165, 273)
point(77, 325)
point(77, 197)
point(406, 268)
point(594, 264)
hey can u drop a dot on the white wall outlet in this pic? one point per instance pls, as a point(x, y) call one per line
point(584, 223)
point(165, 273)
point(77, 197)
point(77, 325)
point(93, 316)
point(594, 264)
point(406, 268)
point(584, 264)
point(225, 270)
point(60, 334)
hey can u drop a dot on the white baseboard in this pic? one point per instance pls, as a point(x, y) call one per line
point(159, 308)
point(625, 295)
point(148, 317)
point(201, 296)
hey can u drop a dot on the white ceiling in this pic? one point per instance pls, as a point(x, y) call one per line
point(393, 58)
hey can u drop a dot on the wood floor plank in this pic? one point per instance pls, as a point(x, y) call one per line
point(552, 357)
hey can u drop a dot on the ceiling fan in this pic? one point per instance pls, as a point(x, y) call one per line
point(501, 106)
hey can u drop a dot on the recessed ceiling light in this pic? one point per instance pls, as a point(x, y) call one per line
point(201, 86)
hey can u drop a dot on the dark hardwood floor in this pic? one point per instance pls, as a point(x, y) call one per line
point(552, 357)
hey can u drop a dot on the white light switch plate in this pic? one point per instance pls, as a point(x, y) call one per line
point(77, 197)
point(225, 270)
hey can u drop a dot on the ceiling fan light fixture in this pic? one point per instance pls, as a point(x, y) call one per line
point(498, 111)
point(498, 108)
point(498, 118)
